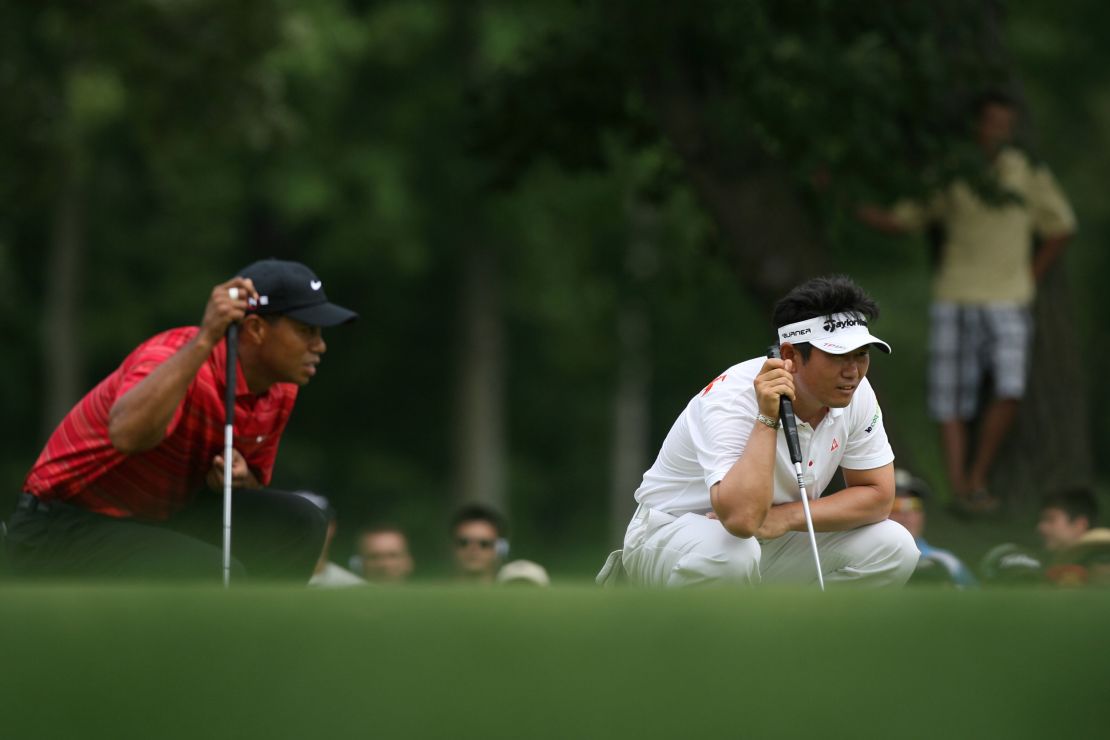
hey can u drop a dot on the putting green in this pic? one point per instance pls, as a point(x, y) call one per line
point(569, 662)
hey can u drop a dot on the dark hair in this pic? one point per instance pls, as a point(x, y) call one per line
point(824, 296)
point(906, 483)
point(1074, 502)
point(319, 501)
point(380, 528)
point(478, 513)
point(993, 97)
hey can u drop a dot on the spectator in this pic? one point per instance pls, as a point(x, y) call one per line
point(1076, 553)
point(383, 554)
point(1065, 518)
point(1077, 549)
point(935, 565)
point(481, 546)
point(523, 573)
point(479, 542)
point(1010, 564)
point(1089, 558)
point(327, 573)
point(980, 320)
point(3, 550)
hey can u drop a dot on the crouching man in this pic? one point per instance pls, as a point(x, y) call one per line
point(721, 503)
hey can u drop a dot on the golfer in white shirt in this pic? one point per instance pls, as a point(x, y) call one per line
point(721, 503)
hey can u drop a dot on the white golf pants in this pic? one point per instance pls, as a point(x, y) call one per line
point(690, 550)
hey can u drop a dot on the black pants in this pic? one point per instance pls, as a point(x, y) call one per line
point(274, 536)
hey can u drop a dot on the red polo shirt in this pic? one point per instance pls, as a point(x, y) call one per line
point(80, 466)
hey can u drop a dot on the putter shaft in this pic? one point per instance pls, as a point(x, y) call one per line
point(229, 435)
point(228, 451)
point(809, 524)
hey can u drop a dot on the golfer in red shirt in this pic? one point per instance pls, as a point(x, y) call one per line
point(120, 489)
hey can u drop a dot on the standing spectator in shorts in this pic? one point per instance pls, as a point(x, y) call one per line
point(985, 283)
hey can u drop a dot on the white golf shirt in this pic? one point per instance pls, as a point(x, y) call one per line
point(712, 432)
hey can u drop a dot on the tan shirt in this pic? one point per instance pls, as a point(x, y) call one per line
point(988, 248)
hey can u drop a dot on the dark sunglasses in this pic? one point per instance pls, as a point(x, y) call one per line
point(464, 541)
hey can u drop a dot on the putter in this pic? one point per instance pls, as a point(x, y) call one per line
point(790, 429)
point(229, 431)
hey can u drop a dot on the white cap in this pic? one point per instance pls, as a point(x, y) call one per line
point(837, 334)
point(523, 571)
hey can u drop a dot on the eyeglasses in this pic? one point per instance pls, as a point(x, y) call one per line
point(461, 542)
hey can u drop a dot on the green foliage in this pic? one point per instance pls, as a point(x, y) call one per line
point(875, 95)
point(381, 141)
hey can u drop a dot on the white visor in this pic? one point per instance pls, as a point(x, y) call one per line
point(835, 334)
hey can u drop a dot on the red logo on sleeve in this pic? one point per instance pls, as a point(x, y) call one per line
point(710, 386)
point(835, 446)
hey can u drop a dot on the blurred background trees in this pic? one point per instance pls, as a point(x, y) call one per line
point(558, 220)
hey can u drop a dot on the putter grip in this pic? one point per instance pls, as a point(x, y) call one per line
point(232, 376)
point(790, 428)
point(786, 416)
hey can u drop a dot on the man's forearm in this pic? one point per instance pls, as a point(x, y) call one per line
point(843, 510)
point(138, 419)
point(879, 219)
point(743, 497)
point(1047, 254)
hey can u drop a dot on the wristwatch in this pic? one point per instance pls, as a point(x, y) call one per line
point(763, 419)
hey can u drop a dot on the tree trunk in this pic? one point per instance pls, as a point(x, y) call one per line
point(480, 439)
point(61, 343)
point(1049, 447)
point(771, 235)
point(632, 400)
point(479, 448)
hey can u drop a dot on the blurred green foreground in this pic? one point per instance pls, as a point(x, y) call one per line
point(571, 662)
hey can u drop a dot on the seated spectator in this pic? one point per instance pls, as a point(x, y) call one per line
point(479, 543)
point(1076, 553)
point(1075, 546)
point(3, 551)
point(480, 547)
point(1065, 517)
point(383, 554)
point(1091, 556)
point(935, 565)
point(1011, 565)
point(327, 574)
point(523, 573)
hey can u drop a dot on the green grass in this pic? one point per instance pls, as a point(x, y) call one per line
point(570, 662)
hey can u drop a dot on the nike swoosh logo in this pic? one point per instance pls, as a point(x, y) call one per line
point(316, 284)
